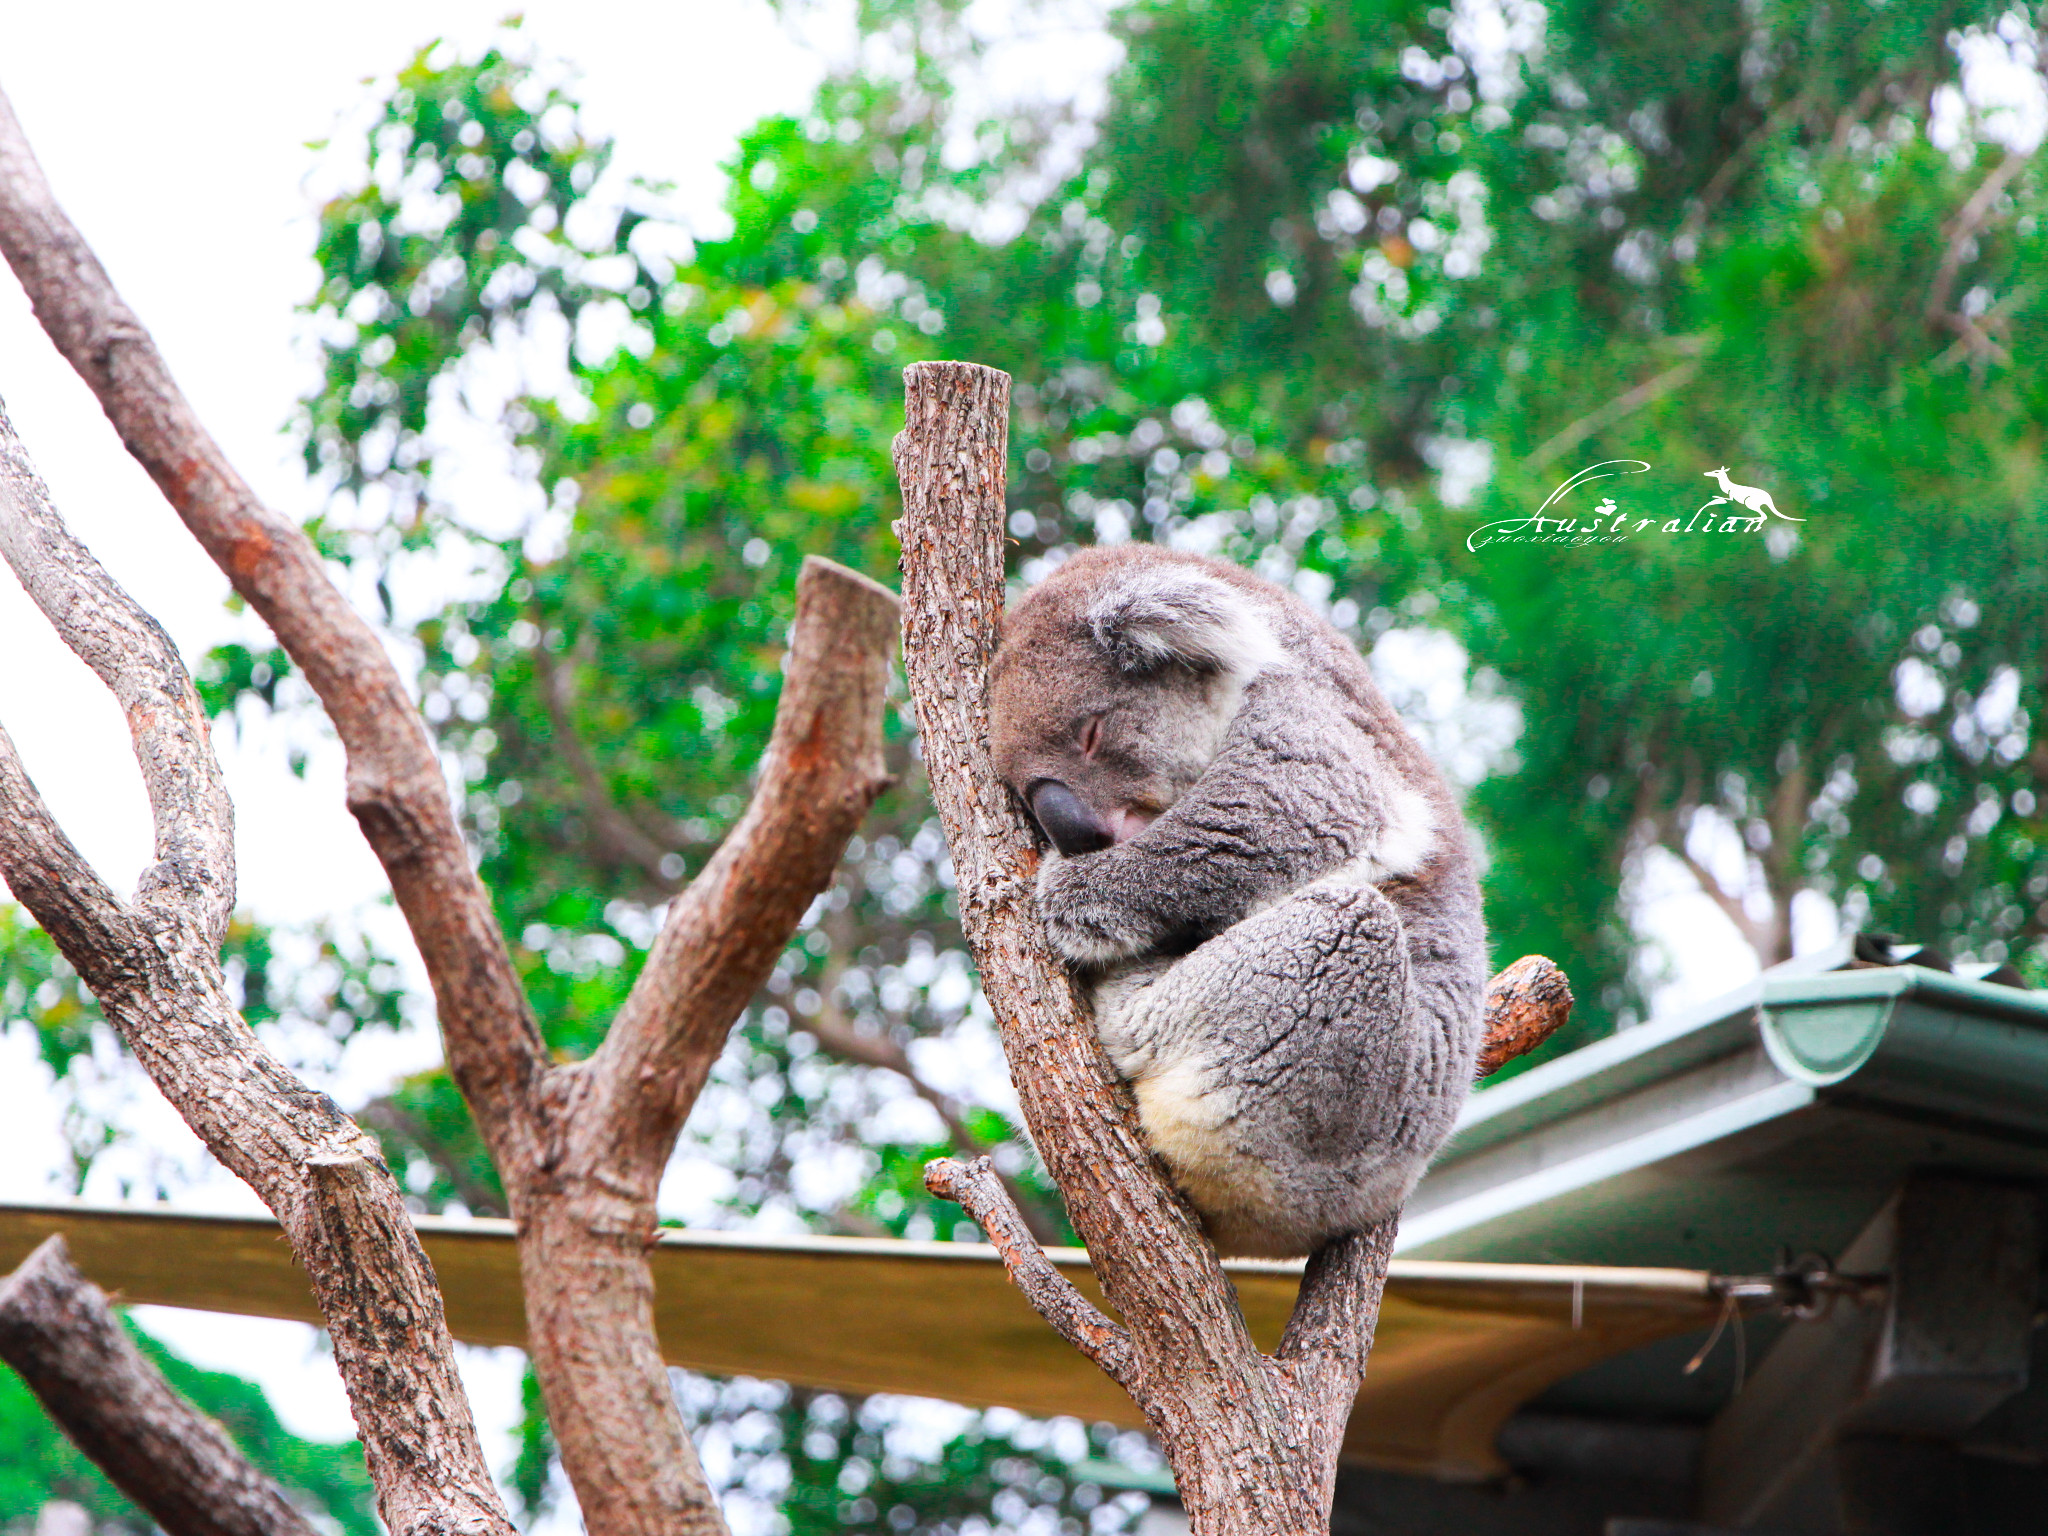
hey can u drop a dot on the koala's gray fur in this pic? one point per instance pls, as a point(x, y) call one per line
point(1263, 879)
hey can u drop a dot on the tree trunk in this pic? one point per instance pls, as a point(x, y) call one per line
point(1252, 1438)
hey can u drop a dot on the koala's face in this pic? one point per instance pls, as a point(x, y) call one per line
point(1094, 753)
point(1104, 708)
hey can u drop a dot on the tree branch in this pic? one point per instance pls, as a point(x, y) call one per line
point(1962, 229)
point(58, 1332)
point(48, 874)
point(836, 1034)
point(1246, 1444)
point(580, 1147)
point(590, 1214)
point(1525, 1005)
point(156, 971)
point(1330, 1335)
point(1728, 171)
point(395, 787)
point(616, 832)
point(194, 823)
point(385, 1116)
point(1672, 833)
point(1619, 408)
point(978, 1189)
point(822, 771)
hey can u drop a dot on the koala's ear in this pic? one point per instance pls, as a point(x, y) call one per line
point(1155, 616)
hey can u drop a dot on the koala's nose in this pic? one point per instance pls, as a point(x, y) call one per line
point(1070, 825)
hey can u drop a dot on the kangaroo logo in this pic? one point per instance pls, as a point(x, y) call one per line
point(1609, 522)
point(1753, 497)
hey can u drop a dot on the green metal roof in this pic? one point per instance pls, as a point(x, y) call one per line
point(1781, 1114)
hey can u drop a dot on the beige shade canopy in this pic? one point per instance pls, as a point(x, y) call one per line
point(1460, 1346)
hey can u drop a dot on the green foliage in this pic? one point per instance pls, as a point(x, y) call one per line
point(533, 1471)
point(1318, 263)
point(38, 1464)
point(610, 695)
point(430, 1141)
point(460, 227)
point(825, 1463)
point(230, 671)
point(1358, 242)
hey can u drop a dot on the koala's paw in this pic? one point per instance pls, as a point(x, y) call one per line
point(1079, 923)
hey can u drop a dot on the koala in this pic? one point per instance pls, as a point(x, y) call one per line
point(1263, 883)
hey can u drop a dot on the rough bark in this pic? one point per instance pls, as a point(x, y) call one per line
point(586, 1219)
point(155, 966)
point(58, 1332)
point(579, 1147)
point(1252, 1439)
point(1525, 1005)
point(395, 785)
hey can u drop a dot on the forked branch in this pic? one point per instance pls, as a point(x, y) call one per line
point(580, 1147)
point(1252, 1440)
point(822, 771)
point(155, 968)
point(1248, 1437)
point(128, 651)
point(395, 785)
point(978, 1189)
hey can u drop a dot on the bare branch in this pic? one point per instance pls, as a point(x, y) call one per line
point(1340, 1302)
point(386, 1116)
point(1859, 108)
point(1619, 408)
point(1525, 1005)
point(1671, 832)
point(836, 1034)
point(1731, 906)
point(395, 787)
point(977, 1189)
point(156, 971)
point(617, 835)
point(822, 771)
point(580, 1148)
point(57, 1330)
point(1248, 1437)
point(588, 1213)
point(48, 874)
point(128, 650)
point(1730, 170)
point(1329, 1337)
point(1962, 229)
point(950, 459)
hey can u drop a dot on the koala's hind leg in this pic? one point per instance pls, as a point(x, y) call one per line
point(1281, 1071)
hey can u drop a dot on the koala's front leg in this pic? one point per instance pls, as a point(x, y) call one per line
point(1085, 919)
point(1123, 902)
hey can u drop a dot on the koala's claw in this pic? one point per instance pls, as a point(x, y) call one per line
point(1082, 929)
point(1080, 942)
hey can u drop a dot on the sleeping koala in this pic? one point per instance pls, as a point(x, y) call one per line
point(1263, 881)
